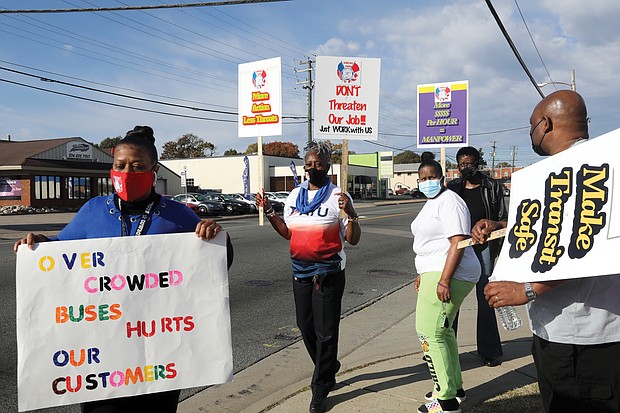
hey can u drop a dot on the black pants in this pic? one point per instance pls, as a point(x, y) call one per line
point(578, 378)
point(488, 340)
point(164, 402)
point(317, 308)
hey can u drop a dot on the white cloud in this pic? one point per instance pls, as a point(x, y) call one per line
point(418, 41)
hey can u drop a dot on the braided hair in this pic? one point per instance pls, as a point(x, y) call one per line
point(322, 148)
point(142, 137)
point(428, 161)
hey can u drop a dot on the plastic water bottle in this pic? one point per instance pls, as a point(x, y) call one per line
point(509, 317)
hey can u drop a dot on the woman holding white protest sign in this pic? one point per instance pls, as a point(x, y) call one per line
point(134, 209)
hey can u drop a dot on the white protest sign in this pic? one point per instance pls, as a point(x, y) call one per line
point(346, 104)
point(260, 98)
point(563, 218)
point(114, 317)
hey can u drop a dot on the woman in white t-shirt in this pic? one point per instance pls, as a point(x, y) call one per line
point(316, 233)
point(446, 275)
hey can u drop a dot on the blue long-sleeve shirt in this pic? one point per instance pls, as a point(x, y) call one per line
point(100, 218)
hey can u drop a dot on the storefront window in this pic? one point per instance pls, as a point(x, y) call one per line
point(104, 186)
point(78, 187)
point(46, 187)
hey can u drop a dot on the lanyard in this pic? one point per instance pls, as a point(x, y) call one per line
point(143, 219)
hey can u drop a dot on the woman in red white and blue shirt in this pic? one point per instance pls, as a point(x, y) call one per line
point(311, 221)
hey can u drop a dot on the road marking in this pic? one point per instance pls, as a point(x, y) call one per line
point(391, 232)
point(364, 218)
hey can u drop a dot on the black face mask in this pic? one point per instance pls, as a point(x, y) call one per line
point(316, 177)
point(538, 149)
point(468, 172)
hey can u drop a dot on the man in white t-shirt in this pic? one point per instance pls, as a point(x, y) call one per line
point(576, 323)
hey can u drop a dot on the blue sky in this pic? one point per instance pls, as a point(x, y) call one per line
point(189, 57)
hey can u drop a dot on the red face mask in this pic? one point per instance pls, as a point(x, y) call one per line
point(132, 185)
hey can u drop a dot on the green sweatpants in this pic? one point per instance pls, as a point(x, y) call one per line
point(434, 327)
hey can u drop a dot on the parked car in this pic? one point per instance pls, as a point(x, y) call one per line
point(193, 207)
point(403, 191)
point(276, 203)
point(417, 194)
point(240, 197)
point(232, 206)
point(203, 205)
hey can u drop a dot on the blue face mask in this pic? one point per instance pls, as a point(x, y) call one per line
point(430, 188)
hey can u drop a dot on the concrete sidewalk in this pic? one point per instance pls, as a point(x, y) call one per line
point(382, 369)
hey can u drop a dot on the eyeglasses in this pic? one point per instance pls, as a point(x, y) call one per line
point(466, 165)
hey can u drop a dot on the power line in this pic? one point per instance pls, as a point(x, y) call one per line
point(112, 86)
point(534, 43)
point(124, 8)
point(246, 39)
point(513, 47)
point(263, 33)
point(113, 104)
point(127, 106)
point(60, 82)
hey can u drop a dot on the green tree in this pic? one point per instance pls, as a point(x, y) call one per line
point(187, 146)
point(110, 142)
point(337, 153)
point(230, 152)
point(503, 165)
point(252, 148)
point(407, 157)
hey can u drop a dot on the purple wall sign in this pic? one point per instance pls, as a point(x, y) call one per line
point(10, 188)
point(443, 114)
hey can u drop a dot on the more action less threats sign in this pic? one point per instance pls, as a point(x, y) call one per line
point(114, 317)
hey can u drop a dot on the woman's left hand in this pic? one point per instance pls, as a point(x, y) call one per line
point(344, 203)
point(416, 284)
point(443, 291)
point(207, 229)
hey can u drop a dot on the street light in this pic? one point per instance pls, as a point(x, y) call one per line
point(571, 84)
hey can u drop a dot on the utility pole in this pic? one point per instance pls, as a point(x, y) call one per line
point(572, 84)
point(512, 166)
point(493, 159)
point(308, 85)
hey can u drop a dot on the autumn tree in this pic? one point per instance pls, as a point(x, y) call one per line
point(286, 149)
point(230, 152)
point(187, 146)
point(110, 142)
point(407, 157)
point(503, 165)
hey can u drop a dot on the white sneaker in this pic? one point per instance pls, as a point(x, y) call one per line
point(435, 407)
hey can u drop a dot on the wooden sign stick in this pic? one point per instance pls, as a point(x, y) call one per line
point(493, 235)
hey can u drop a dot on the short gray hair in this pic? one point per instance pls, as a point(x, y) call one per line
point(322, 148)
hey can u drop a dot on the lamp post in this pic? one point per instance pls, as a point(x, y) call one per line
point(572, 85)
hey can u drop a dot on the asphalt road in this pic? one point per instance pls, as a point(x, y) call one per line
point(261, 303)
